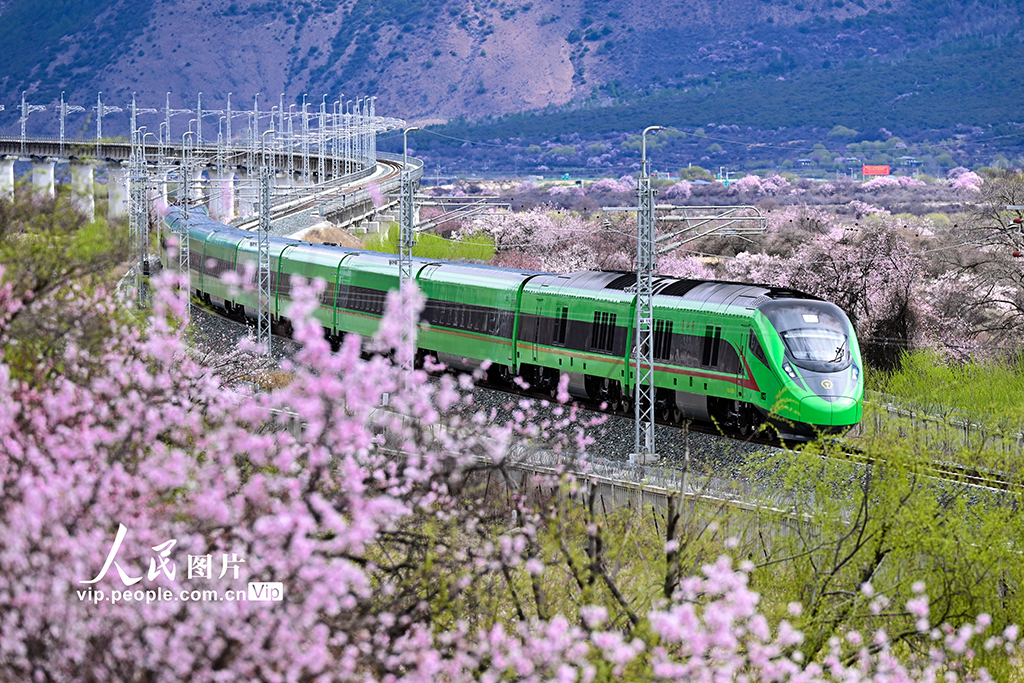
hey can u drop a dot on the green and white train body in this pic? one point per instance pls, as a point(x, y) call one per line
point(732, 353)
point(470, 314)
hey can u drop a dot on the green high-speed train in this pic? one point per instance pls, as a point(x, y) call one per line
point(735, 354)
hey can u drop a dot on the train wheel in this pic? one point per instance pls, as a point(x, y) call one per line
point(744, 418)
point(551, 380)
point(664, 404)
point(603, 390)
point(499, 374)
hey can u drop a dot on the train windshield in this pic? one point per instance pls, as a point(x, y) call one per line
point(816, 333)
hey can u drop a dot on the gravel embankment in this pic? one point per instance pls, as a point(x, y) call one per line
point(614, 439)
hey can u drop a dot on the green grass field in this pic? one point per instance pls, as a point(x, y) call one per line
point(984, 392)
point(476, 247)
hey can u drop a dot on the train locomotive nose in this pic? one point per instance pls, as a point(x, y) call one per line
point(829, 407)
point(837, 412)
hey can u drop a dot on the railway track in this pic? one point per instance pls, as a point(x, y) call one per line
point(387, 171)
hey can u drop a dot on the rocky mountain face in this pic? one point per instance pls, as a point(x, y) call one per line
point(437, 60)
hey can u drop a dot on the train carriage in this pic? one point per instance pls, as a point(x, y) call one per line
point(314, 261)
point(220, 254)
point(198, 232)
point(752, 354)
point(246, 301)
point(578, 324)
point(470, 314)
point(363, 284)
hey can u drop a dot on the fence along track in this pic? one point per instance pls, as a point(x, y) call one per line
point(971, 434)
point(618, 483)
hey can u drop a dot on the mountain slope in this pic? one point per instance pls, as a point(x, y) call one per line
point(436, 60)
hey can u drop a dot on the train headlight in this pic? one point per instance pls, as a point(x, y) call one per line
point(854, 373)
point(789, 370)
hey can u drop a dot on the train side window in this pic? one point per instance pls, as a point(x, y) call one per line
point(712, 340)
point(561, 323)
point(662, 339)
point(755, 348)
point(603, 335)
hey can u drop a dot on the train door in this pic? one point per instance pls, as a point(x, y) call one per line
point(535, 340)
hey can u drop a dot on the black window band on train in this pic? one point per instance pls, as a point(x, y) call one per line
point(671, 347)
point(712, 345)
point(214, 266)
point(494, 322)
point(491, 321)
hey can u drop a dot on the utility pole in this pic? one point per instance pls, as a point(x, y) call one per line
point(199, 120)
point(66, 109)
point(305, 141)
point(347, 153)
point(27, 109)
point(291, 148)
point(183, 246)
point(405, 242)
point(335, 161)
point(644, 377)
point(322, 141)
point(138, 213)
point(263, 251)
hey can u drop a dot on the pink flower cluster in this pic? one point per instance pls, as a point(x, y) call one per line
point(680, 190)
point(565, 191)
point(891, 181)
point(771, 186)
point(554, 241)
point(968, 181)
point(608, 186)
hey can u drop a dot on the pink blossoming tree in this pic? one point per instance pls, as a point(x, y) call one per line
point(138, 487)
